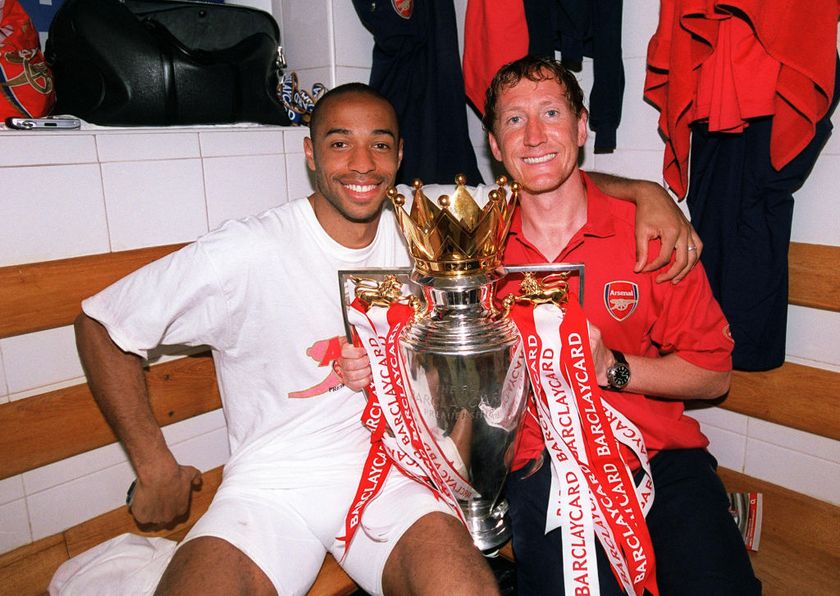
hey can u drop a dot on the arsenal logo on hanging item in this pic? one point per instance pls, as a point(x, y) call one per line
point(621, 298)
point(404, 8)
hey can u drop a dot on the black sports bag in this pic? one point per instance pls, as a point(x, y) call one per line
point(159, 62)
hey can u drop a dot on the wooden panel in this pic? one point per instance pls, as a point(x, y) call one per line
point(66, 422)
point(814, 276)
point(119, 521)
point(44, 295)
point(27, 571)
point(792, 395)
point(797, 552)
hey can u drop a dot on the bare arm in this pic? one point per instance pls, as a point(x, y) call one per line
point(116, 380)
point(669, 377)
point(657, 216)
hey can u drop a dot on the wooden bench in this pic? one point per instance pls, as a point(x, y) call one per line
point(798, 550)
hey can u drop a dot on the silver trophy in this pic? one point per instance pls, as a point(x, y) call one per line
point(463, 356)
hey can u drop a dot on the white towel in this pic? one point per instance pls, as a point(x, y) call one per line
point(125, 565)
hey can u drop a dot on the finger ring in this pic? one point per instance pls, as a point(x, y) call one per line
point(692, 247)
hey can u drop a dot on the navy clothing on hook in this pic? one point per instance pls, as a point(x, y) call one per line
point(416, 65)
point(578, 28)
point(742, 208)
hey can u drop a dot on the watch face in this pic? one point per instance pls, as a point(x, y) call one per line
point(619, 375)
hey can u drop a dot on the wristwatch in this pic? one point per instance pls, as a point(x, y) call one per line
point(618, 375)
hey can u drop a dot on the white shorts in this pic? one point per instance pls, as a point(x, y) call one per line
point(287, 532)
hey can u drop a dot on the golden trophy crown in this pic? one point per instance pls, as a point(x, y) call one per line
point(456, 237)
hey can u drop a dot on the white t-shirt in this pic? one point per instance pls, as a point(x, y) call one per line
point(263, 293)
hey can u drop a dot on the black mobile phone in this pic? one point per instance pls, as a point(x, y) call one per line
point(43, 123)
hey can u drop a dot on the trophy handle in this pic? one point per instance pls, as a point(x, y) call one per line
point(373, 283)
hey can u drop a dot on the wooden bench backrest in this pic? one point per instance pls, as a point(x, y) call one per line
point(796, 396)
point(41, 296)
point(58, 424)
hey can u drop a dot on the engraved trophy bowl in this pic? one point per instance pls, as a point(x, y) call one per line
point(465, 366)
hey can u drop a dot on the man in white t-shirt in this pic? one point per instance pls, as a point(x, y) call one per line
point(262, 293)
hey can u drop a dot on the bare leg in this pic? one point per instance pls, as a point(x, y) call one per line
point(208, 565)
point(436, 556)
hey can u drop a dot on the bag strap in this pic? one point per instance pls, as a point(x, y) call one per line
point(296, 101)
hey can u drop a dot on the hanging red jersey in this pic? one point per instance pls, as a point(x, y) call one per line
point(802, 41)
point(495, 33)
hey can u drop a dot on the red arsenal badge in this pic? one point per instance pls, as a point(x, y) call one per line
point(621, 298)
point(404, 8)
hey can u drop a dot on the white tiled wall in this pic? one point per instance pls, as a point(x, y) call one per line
point(4, 388)
point(154, 202)
point(48, 211)
point(259, 183)
point(42, 361)
point(100, 190)
point(325, 42)
point(297, 174)
point(353, 44)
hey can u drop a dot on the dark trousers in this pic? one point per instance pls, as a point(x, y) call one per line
point(742, 208)
point(697, 545)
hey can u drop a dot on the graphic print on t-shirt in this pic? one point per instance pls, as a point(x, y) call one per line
point(621, 298)
point(325, 352)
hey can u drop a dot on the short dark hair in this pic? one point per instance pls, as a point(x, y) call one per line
point(341, 90)
point(533, 68)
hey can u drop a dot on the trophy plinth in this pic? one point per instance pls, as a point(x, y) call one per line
point(488, 526)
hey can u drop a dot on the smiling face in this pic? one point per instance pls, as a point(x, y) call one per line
point(354, 151)
point(536, 134)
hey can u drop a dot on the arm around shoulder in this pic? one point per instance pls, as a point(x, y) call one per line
point(657, 216)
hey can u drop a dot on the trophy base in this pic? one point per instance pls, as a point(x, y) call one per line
point(491, 531)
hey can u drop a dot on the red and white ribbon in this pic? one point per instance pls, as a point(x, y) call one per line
point(592, 490)
point(409, 445)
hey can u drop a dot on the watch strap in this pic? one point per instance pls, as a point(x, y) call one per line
point(619, 357)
